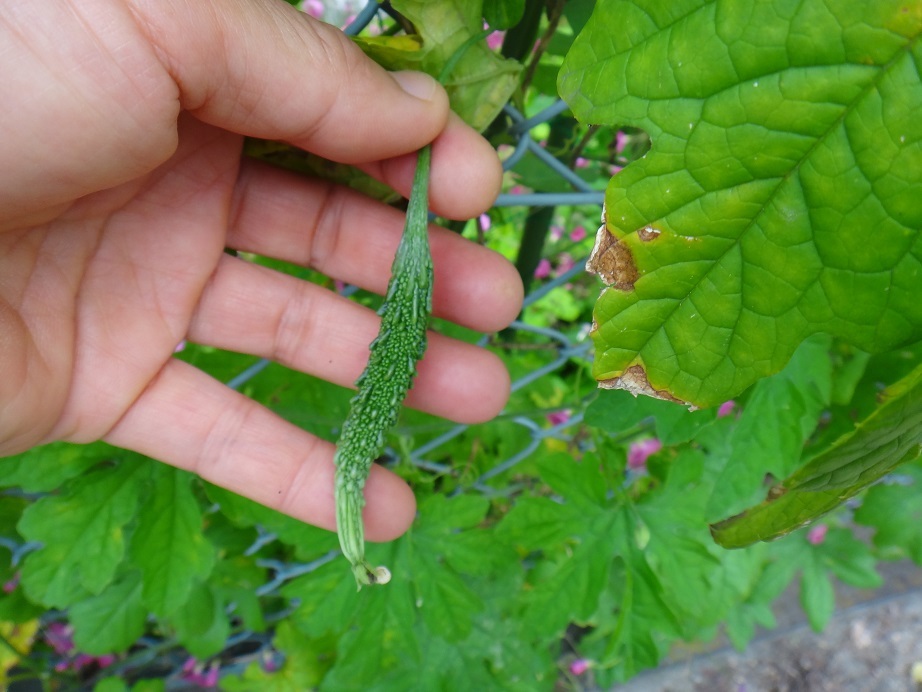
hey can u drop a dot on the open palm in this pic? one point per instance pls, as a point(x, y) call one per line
point(110, 258)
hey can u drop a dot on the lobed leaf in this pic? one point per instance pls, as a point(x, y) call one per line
point(782, 196)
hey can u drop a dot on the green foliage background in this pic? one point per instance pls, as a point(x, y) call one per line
point(784, 274)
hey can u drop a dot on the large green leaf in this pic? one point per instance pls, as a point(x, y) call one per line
point(890, 436)
point(384, 631)
point(607, 562)
point(783, 193)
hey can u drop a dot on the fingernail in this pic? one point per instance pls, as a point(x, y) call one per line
point(417, 84)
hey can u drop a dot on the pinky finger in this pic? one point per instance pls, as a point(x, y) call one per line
point(191, 421)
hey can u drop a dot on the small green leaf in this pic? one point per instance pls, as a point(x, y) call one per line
point(82, 534)
point(381, 640)
point(309, 541)
point(580, 481)
point(481, 82)
point(568, 588)
point(45, 468)
point(817, 596)
point(782, 196)
point(111, 685)
point(168, 544)
point(890, 436)
point(895, 511)
point(303, 668)
point(641, 620)
point(326, 601)
point(850, 559)
point(617, 411)
point(755, 607)
point(503, 14)
point(537, 523)
point(112, 621)
point(237, 578)
point(383, 631)
point(201, 625)
point(777, 419)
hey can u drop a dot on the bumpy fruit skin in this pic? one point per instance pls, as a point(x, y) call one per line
point(387, 378)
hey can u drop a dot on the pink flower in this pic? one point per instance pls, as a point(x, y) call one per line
point(10, 586)
point(314, 8)
point(581, 162)
point(195, 672)
point(543, 270)
point(639, 452)
point(565, 263)
point(579, 666)
point(270, 662)
point(817, 534)
point(556, 232)
point(578, 234)
point(620, 141)
point(726, 408)
point(484, 221)
point(558, 417)
point(614, 170)
point(60, 637)
point(495, 40)
point(211, 676)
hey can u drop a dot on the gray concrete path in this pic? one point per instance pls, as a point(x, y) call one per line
point(872, 644)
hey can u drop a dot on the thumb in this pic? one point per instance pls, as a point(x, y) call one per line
point(261, 68)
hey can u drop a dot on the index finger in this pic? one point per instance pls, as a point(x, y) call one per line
point(263, 69)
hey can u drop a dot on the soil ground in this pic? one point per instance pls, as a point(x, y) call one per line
point(872, 644)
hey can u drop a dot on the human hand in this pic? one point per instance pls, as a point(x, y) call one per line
point(122, 185)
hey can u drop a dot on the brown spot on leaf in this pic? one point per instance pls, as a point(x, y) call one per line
point(648, 233)
point(775, 492)
point(612, 261)
point(634, 380)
